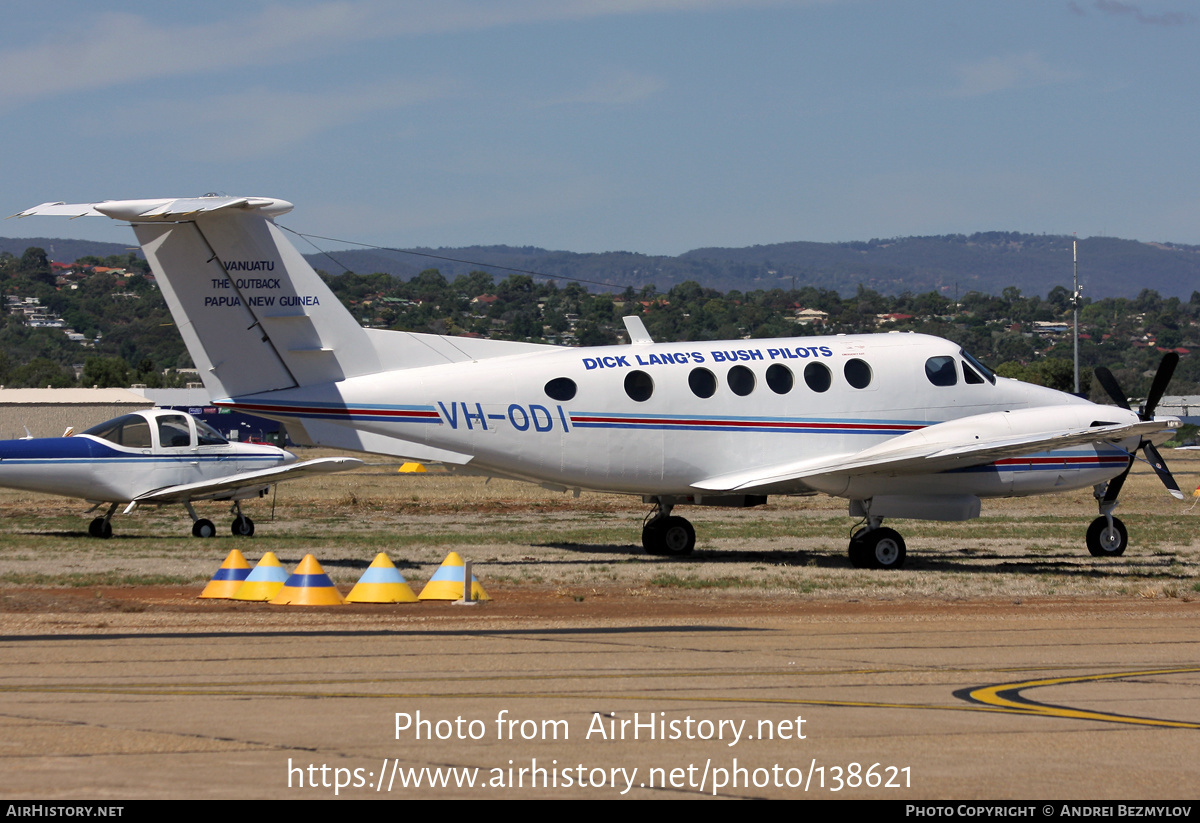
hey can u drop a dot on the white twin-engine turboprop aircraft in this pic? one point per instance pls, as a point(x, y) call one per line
point(902, 425)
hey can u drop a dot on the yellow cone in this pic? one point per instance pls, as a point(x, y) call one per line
point(381, 583)
point(308, 586)
point(265, 581)
point(228, 578)
point(411, 467)
point(447, 582)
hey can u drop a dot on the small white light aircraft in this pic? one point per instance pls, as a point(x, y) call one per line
point(154, 456)
point(902, 425)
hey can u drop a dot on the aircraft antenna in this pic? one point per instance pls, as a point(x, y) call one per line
point(1076, 295)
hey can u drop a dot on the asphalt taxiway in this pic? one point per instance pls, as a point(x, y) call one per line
point(1054, 700)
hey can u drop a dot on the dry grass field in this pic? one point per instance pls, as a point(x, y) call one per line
point(521, 536)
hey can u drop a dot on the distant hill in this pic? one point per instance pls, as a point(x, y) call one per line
point(66, 251)
point(987, 262)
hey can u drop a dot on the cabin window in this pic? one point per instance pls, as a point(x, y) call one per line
point(639, 386)
point(702, 382)
point(858, 373)
point(561, 388)
point(940, 371)
point(780, 379)
point(741, 380)
point(817, 376)
point(130, 430)
point(173, 431)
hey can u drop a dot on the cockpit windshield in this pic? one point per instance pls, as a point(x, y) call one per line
point(208, 435)
point(987, 373)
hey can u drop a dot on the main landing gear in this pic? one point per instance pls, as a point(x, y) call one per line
point(1106, 537)
point(663, 534)
point(242, 526)
point(874, 547)
point(101, 527)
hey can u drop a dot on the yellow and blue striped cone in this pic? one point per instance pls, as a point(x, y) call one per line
point(228, 578)
point(308, 586)
point(447, 582)
point(264, 581)
point(381, 583)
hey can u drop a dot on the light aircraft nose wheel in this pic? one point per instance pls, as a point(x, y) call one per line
point(877, 549)
point(100, 528)
point(243, 527)
point(1107, 541)
point(669, 535)
point(203, 528)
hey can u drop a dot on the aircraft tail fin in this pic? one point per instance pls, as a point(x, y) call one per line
point(254, 314)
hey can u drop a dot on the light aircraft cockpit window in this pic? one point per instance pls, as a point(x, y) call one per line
point(817, 376)
point(208, 435)
point(702, 382)
point(173, 431)
point(858, 373)
point(970, 375)
point(130, 430)
point(741, 380)
point(941, 372)
point(561, 388)
point(987, 373)
point(780, 379)
point(639, 386)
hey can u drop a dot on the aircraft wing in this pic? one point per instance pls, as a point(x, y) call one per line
point(211, 489)
point(955, 444)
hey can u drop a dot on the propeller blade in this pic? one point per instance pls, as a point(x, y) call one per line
point(1112, 387)
point(1160, 468)
point(1161, 378)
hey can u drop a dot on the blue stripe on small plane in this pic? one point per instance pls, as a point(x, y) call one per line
point(86, 449)
point(132, 458)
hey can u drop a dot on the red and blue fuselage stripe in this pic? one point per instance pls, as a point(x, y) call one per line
point(595, 420)
point(331, 411)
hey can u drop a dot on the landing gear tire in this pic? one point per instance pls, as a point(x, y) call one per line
point(100, 528)
point(242, 527)
point(669, 536)
point(1106, 541)
point(877, 549)
point(203, 528)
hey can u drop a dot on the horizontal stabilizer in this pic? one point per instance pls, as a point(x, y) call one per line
point(340, 436)
point(168, 209)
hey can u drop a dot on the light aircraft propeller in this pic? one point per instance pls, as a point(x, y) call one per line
point(1107, 534)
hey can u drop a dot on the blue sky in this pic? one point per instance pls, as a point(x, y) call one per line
point(654, 126)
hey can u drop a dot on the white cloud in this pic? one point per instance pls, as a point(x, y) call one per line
point(1011, 71)
point(622, 88)
point(112, 49)
point(255, 122)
